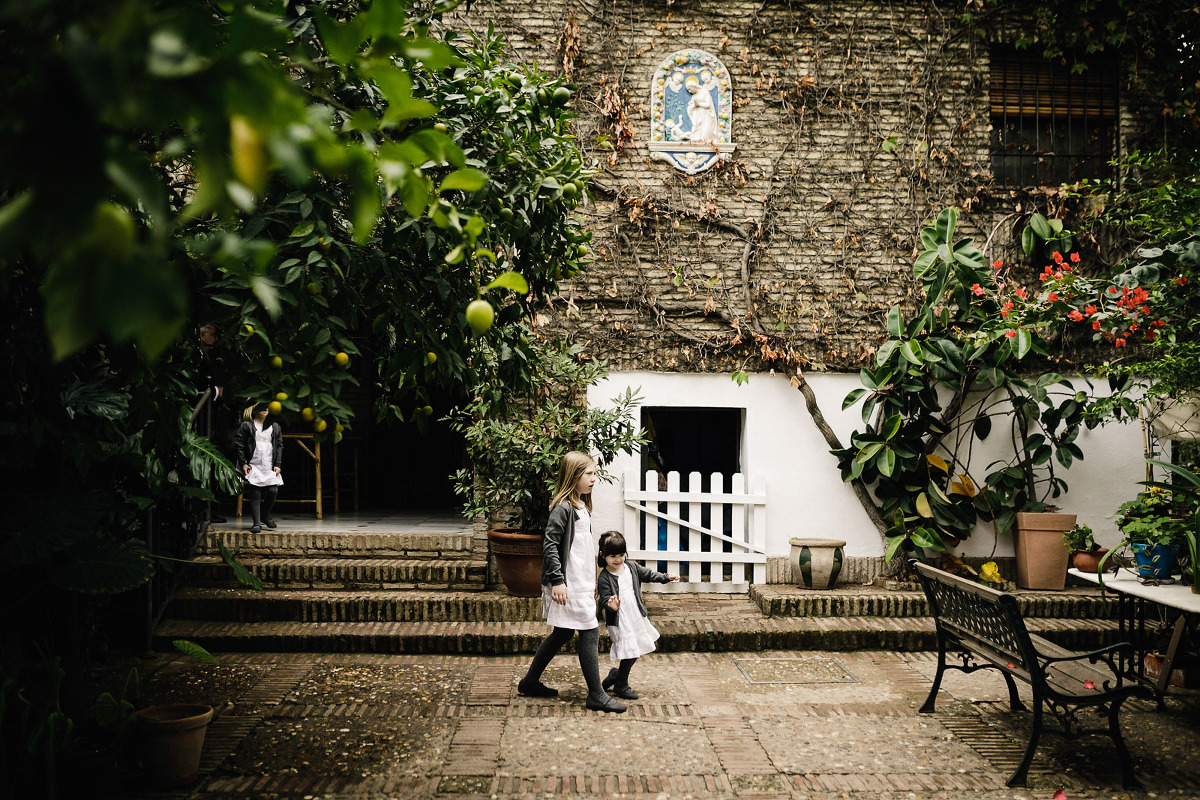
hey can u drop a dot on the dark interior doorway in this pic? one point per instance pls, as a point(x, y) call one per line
point(687, 439)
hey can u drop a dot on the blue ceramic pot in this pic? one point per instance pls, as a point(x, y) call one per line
point(1154, 560)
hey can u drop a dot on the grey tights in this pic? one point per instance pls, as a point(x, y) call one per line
point(589, 658)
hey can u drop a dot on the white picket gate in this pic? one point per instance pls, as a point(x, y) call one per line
point(714, 540)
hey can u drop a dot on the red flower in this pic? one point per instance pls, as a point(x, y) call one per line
point(1020, 292)
point(1119, 342)
point(1074, 258)
point(1052, 297)
point(1008, 304)
point(997, 264)
point(1181, 280)
point(1012, 665)
point(977, 289)
point(1010, 334)
point(1060, 795)
point(1151, 334)
point(1089, 684)
point(1096, 325)
point(1089, 310)
point(1158, 323)
point(1075, 316)
point(1057, 257)
point(1004, 313)
point(1113, 290)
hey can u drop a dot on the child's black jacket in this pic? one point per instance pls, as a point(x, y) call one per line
point(606, 584)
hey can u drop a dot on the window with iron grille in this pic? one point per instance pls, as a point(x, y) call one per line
point(1049, 125)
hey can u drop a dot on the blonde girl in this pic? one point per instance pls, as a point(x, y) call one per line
point(569, 584)
point(259, 456)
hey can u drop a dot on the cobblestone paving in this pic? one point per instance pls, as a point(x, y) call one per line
point(327, 727)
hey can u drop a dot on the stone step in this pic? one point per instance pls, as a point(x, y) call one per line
point(344, 573)
point(341, 544)
point(678, 635)
point(783, 600)
point(362, 606)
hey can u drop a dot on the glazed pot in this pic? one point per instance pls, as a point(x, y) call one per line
point(816, 562)
point(1155, 561)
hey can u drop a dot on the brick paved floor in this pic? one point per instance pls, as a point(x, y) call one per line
point(708, 725)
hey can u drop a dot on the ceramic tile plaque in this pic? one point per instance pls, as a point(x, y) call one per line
point(691, 112)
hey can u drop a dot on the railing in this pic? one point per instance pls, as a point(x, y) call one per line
point(714, 539)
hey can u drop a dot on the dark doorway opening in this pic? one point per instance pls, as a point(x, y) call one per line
point(688, 439)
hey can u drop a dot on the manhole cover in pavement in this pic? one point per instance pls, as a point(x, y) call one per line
point(794, 670)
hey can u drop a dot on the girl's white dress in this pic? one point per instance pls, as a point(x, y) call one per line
point(262, 470)
point(633, 635)
point(579, 568)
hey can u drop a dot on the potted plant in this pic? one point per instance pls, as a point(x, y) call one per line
point(1153, 525)
point(516, 428)
point(1085, 553)
point(954, 372)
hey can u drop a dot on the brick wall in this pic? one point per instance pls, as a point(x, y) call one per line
point(811, 222)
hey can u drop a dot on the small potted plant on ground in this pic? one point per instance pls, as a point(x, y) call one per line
point(1085, 553)
point(517, 428)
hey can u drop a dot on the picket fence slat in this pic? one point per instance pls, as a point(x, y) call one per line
point(714, 540)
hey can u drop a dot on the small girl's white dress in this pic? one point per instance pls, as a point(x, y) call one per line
point(262, 468)
point(633, 635)
point(580, 571)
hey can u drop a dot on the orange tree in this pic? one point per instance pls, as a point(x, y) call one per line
point(330, 184)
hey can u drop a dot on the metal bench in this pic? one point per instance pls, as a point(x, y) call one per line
point(984, 629)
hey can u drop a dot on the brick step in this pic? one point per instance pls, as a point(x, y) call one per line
point(345, 573)
point(361, 606)
point(781, 600)
point(281, 542)
point(684, 635)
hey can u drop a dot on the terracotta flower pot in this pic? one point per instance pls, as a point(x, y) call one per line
point(1088, 560)
point(169, 740)
point(519, 560)
point(1041, 554)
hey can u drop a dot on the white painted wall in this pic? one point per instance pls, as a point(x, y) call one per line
point(806, 496)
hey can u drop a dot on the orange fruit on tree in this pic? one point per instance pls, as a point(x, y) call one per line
point(275, 407)
point(320, 425)
point(480, 316)
point(342, 359)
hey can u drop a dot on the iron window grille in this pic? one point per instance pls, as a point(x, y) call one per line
point(1049, 125)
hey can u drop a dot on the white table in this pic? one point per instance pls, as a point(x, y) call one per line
point(1133, 595)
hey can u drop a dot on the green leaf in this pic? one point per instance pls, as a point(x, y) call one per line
point(885, 352)
point(852, 398)
point(467, 179)
point(195, 651)
point(911, 351)
point(895, 324)
point(894, 543)
point(891, 426)
point(342, 40)
point(922, 505)
point(1028, 242)
point(1024, 342)
point(886, 462)
point(1041, 226)
point(982, 427)
point(245, 576)
point(510, 280)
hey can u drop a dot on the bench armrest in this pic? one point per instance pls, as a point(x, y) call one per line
point(1103, 654)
